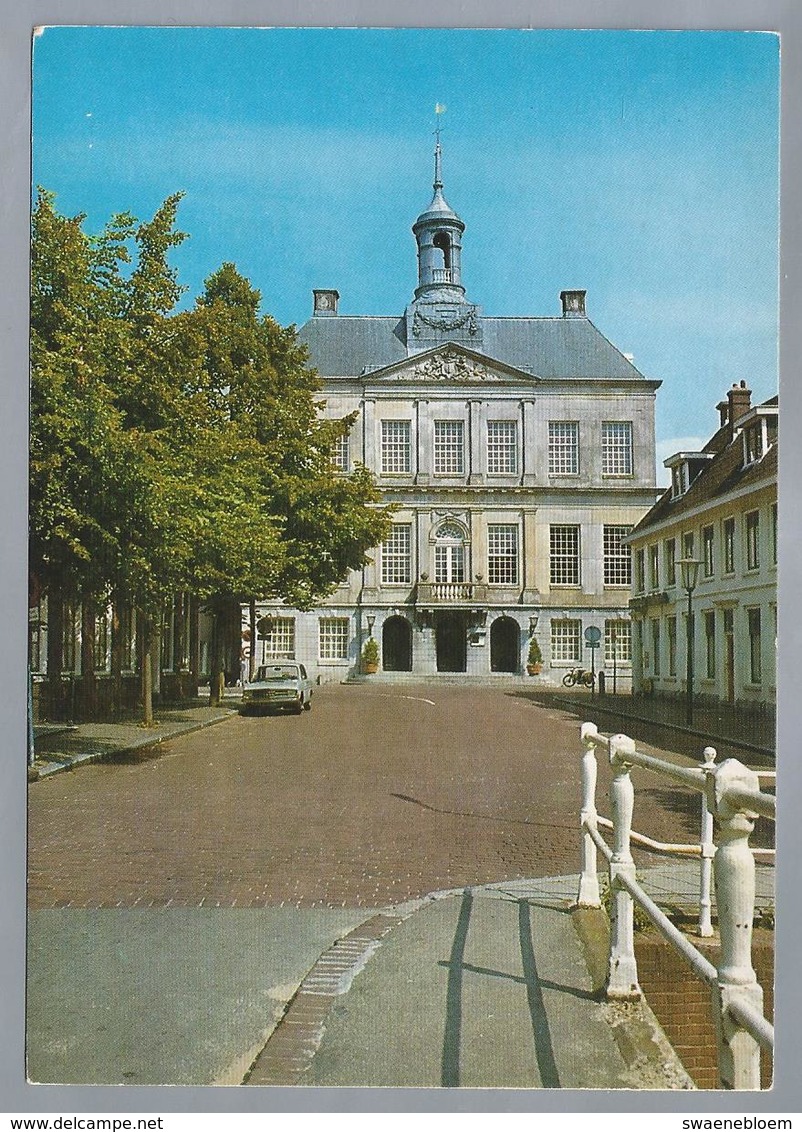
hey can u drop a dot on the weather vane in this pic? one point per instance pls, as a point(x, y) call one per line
point(439, 108)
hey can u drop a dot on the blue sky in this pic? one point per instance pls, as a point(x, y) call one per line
point(641, 166)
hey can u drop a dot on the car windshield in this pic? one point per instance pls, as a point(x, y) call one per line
point(276, 672)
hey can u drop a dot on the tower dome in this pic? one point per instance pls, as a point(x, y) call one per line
point(438, 233)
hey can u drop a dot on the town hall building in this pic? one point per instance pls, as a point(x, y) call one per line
point(518, 453)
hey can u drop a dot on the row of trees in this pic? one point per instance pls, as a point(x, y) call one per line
point(175, 450)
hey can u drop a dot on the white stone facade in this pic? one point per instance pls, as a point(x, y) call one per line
point(518, 452)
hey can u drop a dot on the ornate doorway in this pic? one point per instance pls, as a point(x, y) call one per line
point(505, 647)
point(397, 645)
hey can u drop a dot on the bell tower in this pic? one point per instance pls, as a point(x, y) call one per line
point(439, 311)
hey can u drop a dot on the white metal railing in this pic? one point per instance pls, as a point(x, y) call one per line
point(731, 794)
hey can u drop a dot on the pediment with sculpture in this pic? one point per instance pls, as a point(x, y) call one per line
point(451, 364)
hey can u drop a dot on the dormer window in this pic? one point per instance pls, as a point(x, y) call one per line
point(758, 432)
point(679, 480)
point(685, 467)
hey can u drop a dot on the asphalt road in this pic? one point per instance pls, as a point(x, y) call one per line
point(377, 795)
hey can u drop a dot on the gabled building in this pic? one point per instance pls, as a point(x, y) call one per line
point(721, 510)
point(518, 453)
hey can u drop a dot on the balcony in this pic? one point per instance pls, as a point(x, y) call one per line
point(441, 274)
point(451, 593)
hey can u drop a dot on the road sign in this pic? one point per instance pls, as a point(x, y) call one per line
point(592, 635)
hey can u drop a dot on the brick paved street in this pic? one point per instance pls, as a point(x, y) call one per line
point(381, 793)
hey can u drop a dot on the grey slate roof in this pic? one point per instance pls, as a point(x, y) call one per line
point(345, 345)
point(724, 474)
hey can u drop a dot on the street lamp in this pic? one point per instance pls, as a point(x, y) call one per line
point(371, 620)
point(689, 568)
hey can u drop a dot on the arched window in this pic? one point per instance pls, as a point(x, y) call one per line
point(449, 554)
point(442, 241)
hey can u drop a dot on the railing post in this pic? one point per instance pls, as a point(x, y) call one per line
point(589, 895)
point(734, 867)
point(622, 977)
point(708, 850)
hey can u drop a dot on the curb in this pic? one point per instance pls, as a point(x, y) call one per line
point(57, 766)
point(639, 1036)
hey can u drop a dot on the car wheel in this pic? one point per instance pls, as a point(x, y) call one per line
point(299, 707)
point(308, 704)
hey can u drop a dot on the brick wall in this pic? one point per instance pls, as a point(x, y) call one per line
point(682, 1002)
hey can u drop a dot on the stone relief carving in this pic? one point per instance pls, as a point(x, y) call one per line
point(449, 365)
point(443, 322)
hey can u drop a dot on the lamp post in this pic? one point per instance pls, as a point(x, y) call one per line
point(689, 568)
point(371, 620)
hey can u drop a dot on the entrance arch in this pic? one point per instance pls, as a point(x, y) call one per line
point(505, 647)
point(397, 645)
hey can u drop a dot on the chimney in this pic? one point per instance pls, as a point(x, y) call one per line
point(325, 302)
point(573, 304)
point(740, 401)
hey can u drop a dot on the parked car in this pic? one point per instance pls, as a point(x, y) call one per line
point(284, 686)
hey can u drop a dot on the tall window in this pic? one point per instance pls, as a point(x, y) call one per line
point(616, 448)
point(126, 620)
point(671, 561)
point(565, 641)
point(671, 633)
point(333, 633)
point(656, 646)
point(753, 442)
point(563, 448)
point(396, 446)
point(687, 544)
point(654, 566)
point(278, 638)
point(449, 459)
point(707, 551)
point(70, 628)
point(617, 569)
point(617, 642)
point(729, 546)
point(502, 555)
point(753, 616)
point(564, 556)
point(397, 556)
point(752, 540)
point(102, 644)
point(774, 534)
point(640, 571)
point(340, 456)
point(449, 554)
point(502, 447)
point(710, 644)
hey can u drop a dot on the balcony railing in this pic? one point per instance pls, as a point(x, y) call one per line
point(451, 593)
point(441, 274)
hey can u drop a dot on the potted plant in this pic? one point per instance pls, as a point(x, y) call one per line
point(534, 661)
point(370, 656)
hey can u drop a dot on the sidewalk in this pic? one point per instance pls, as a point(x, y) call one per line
point(720, 725)
point(60, 747)
point(485, 987)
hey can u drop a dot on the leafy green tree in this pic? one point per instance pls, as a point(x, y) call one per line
point(175, 450)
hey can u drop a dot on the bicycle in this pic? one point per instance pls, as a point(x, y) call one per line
point(578, 676)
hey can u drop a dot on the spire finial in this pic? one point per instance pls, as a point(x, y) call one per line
point(439, 109)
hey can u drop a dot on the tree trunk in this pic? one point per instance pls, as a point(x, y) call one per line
point(146, 637)
point(116, 661)
point(217, 674)
point(252, 618)
point(88, 681)
point(55, 633)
